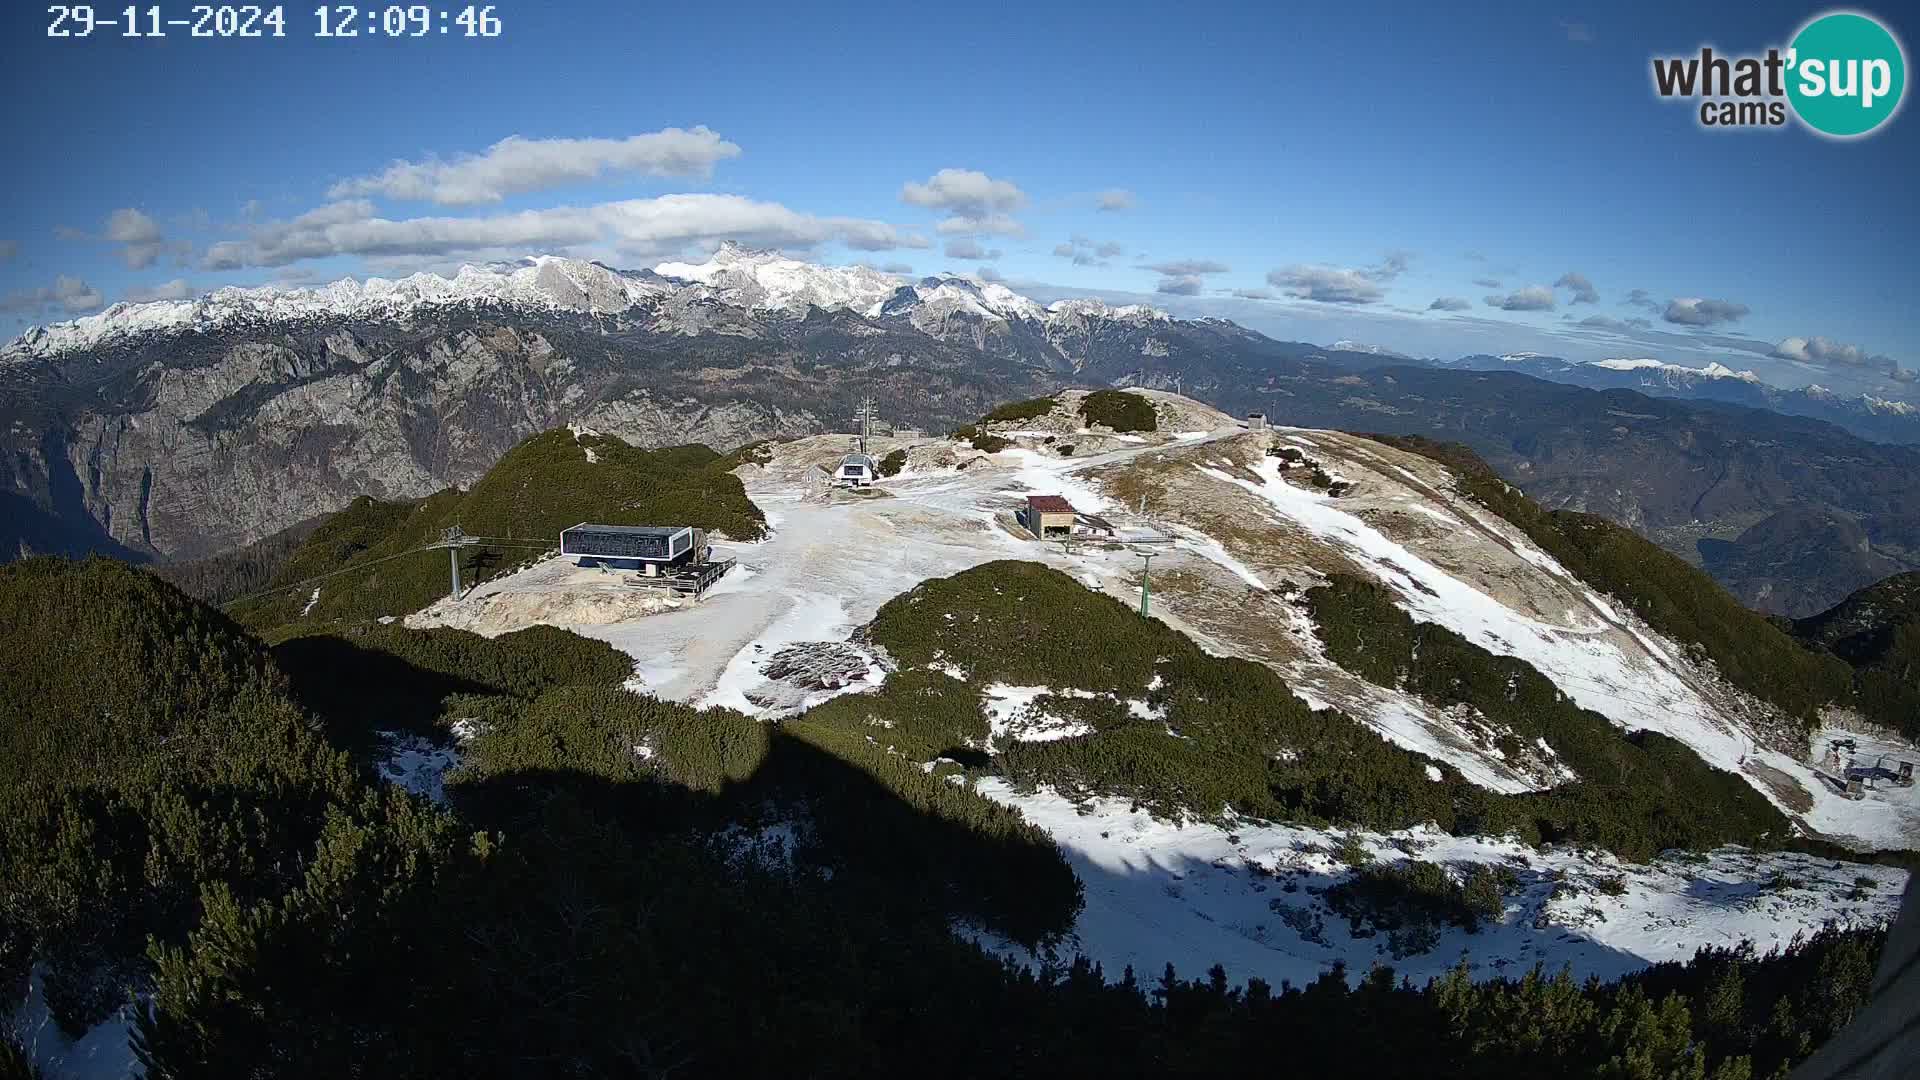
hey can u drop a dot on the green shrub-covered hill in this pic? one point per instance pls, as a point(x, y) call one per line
point(1119, 410)
point(540, 487)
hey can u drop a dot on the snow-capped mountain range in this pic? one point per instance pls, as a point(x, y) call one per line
point(178, 428)
point(1712, 370)
point(1871, 417)
point(689, 298)
point(1365, 347)
point(1547, 366)
point(760, 282)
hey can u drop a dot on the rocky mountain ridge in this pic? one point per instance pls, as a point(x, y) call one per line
point(667, 298)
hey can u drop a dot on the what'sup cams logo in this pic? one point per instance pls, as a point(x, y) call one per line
point(1843, 76)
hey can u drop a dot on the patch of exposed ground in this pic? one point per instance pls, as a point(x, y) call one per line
point(555, 592)
point(1785, 788)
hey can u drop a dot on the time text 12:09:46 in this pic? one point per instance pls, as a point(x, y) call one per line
point(260, 21)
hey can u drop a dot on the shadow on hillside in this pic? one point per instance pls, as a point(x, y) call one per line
point(357, 691)
point(886, 859)
point(66, 530)
point(885, 851)
point(825, 817)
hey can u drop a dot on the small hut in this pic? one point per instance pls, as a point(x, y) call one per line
point(1049, 517)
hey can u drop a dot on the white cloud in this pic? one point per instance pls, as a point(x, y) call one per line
point(1181, 285)
point(1827, 353)
point(177, 289)
point(1694, 311)
point(1327, 284)
point(1526, 298)
point(1187, 267)
point(1085, 251)
point(967, 248)
point(988, 225)
point(638, 228)
point(977, 203)
point(130, 226)
point(76, 295)
point(1392, 266)
point(1340, 284)
point(1816, 350)
point(1449, 303)
point(516, 165)
point(140, 238)
point(967, 192)
point(1113, 199)
point(68, 294)
point(1583, 290)
point(1608, 322)
point(1254, 294)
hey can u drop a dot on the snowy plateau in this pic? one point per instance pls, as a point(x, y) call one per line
point(1244, 893)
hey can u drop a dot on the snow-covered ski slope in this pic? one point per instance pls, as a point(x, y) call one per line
point(1241, 540)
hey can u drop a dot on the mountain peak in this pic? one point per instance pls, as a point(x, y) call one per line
point(1094, 307)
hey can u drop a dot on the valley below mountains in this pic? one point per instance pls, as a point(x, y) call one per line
point(177, 429)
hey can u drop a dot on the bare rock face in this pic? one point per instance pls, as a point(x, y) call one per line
point(208, 445)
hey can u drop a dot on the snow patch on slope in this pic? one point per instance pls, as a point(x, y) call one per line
point(1245, 896)
point(103, 1053)
point(1012, 714)
point(1592, 671)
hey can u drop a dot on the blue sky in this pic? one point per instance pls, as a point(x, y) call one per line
point(1344, 169)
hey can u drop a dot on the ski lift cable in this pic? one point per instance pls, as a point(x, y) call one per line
point(322, 577)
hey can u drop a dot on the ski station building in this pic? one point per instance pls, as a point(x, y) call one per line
point(857, 470)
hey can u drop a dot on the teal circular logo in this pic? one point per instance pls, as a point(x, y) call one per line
point(1846, 74)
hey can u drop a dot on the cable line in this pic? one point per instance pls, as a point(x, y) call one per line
point(325, 576)
point(486, 541)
